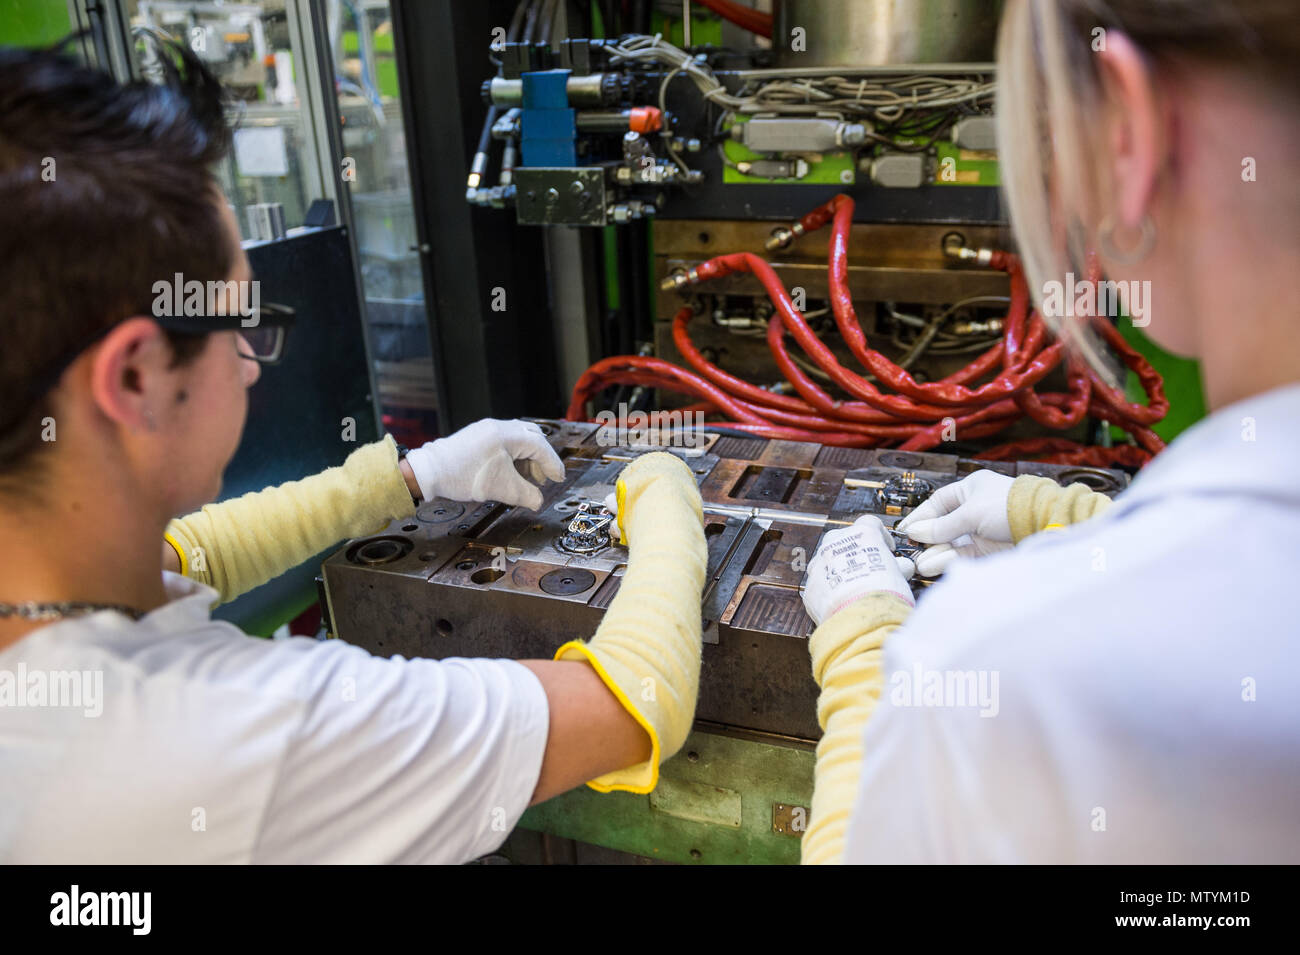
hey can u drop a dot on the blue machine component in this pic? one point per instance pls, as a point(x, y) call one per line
point(547, 128)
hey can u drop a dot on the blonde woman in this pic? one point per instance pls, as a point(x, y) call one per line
point(1122, 684)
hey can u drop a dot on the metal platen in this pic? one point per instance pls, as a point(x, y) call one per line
point(488, 580)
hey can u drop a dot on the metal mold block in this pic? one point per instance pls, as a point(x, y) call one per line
point(485, 580)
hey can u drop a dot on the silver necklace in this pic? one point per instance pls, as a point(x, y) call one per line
point(56, 610)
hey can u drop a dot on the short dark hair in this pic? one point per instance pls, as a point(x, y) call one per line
point(105, 189)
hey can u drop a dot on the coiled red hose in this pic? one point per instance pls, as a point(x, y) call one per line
point(917, 415)
point(755, 21)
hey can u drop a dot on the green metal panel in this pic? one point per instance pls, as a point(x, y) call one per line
point(715, 804)
point(965, 167)
point(706, 28)
point(1182, 384)
point(34, 23)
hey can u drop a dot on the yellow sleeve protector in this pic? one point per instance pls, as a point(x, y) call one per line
point(647, 648)
point(1037, 504)
point(847, 658)
point(242, 543)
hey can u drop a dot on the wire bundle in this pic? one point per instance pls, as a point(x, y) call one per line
point(914, 415)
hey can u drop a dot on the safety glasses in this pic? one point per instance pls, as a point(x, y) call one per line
point(264, 332)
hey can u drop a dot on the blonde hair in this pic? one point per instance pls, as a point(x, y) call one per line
point(1048, 92)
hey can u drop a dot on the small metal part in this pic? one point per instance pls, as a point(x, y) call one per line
point(567, 581)
point(859, 482)
point(635, 147)
point(905, 490)
point(976, 132)
point(954, 246)
point(560, 195)
point(774, 168)
point(439, 512)
point(624, 212)
point(991, 327)
point(904, 546)
point(679, 279)
point(781, 237)
point(798, 134)
point(588, 533)
point(899, 170)
point(595, 89)
point(507, 125)
point(789, 820)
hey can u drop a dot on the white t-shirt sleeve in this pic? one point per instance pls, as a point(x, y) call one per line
point(403, 760)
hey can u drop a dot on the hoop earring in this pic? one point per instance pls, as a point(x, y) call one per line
point(1106, 240)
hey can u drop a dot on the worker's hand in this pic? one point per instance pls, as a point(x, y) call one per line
point(611, 503)
point(851, 563)
point(967, 518)
point(478, 463)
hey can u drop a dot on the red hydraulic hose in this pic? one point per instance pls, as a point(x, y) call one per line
point(755, 21)
point(919, 415)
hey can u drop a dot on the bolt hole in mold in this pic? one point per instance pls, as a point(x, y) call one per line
point(379, 550)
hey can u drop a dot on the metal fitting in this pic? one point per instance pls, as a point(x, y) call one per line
point(679, 279)
point(954, 246)
point(782, 237)
point(991, 327)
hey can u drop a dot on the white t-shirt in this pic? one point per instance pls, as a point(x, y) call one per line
point(1147, 703)
point(182, 739)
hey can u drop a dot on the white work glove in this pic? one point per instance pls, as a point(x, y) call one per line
point(477, 463)
point(851, 563)
point(611, 502)
point(967, 518)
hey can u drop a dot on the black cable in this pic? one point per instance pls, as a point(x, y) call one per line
point(939, 130)
point(531, 22)
point(486, 132)
point(547, 21)
point(641, 16)
point(517, 21)
point(607, 18)
point(580, 18)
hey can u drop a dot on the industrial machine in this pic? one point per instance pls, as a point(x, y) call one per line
point(785, 222)
point(723, 165)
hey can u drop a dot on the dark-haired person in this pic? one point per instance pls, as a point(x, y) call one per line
point(1122, 685)
point(133, 727)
